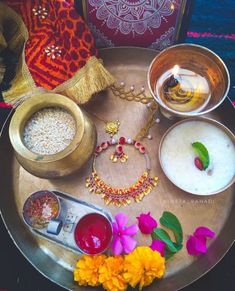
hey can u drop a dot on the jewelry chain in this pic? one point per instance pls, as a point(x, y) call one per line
point(131, 95)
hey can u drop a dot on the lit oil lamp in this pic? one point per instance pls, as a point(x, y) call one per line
point(188, 80)
point(172, 82)
point(185, 90)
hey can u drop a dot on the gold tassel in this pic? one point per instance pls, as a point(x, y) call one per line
point(22, 85)
point(90, 79)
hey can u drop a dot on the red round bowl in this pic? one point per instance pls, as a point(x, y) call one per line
point(93, 233)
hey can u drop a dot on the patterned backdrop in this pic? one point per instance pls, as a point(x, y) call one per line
point(147, 23)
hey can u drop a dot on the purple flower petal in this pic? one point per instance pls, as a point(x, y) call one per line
point(131, 230)
point(146, 223)
point(128, 243)
point(121, 220)
point(158, 245)
point(117, 246)
point(196, 245)
point(115, 228)
point(204, 232)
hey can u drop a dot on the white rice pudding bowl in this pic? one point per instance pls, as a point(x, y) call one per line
point(177, 157)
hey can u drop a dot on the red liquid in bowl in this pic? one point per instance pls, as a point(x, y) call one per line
point(93, 233)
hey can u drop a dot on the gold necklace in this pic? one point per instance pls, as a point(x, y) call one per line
point(145, 184)
point(121, 196)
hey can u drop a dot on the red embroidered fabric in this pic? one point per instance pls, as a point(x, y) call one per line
point(59, 43)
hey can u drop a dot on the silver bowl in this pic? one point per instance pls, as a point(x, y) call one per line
point(202, 119)
point(197, 59)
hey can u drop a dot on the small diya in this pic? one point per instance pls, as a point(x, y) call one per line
point(188, 80)
point(52, 137)
point(93, 233)
point(40, 208)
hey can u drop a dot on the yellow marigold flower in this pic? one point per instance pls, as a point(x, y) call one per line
point(87, 270)
point(111, 274)
point(142, 266)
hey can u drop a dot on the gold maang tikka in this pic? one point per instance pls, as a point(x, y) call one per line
point(112, 127)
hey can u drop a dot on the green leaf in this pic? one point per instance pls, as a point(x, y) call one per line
point(202, 151)
point(170, 221)
point(178, 246)
point(162, 235)
point(168, 254)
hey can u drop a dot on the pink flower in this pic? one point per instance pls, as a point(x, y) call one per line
point(204, 232)
point(196, 243)
point(196, 246)
point(122, 235)
point(158, 245)
point(146, 223)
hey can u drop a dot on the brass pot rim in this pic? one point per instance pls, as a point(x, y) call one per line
point(218, 124)
point(31, 106)
point(188, 114)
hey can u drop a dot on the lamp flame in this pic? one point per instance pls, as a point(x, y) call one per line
point(175, 71)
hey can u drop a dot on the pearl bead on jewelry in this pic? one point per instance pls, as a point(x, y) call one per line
point(129, 140)
point(113, 141)
point(158, 120)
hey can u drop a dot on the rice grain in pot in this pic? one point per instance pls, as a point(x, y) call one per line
point(49, 131)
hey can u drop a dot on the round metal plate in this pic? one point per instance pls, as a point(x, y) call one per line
point(217, 212)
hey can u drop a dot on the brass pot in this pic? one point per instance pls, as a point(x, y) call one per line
point(63, 163)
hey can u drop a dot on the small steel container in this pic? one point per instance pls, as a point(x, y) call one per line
point(31, 204)
point(89, 226)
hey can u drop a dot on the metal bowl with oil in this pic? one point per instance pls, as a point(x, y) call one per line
point(203, 76)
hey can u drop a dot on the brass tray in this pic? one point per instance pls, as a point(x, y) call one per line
point(217, 211)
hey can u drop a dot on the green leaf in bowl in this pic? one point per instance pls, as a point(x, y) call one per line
point(202, 152)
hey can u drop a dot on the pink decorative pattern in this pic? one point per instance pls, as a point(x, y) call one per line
point(195, 34)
